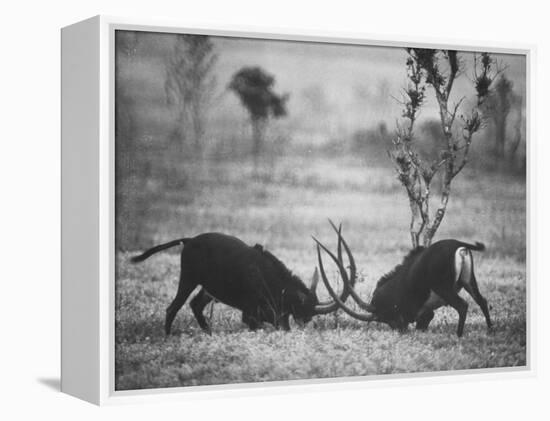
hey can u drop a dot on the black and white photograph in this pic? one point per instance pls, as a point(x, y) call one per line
point(304, 210)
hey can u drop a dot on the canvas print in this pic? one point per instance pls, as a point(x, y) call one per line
point(307, 210)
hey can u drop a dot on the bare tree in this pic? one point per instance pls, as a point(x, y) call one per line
point(437, 70)
point(190, 85)
point(498, 107)
point(254, 88)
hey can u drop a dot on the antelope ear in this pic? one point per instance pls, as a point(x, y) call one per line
point(314, 281)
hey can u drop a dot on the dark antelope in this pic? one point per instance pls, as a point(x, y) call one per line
point(428, 278)
point(250, 279)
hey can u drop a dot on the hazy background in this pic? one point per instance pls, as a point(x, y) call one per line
point(335, 90)
point(326, 159)
point(343, 100)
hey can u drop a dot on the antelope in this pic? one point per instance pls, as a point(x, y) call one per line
point(248, 278)
point(426, 279)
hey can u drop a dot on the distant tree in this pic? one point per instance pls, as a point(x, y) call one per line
point(383, 90)
point(372, 100)
point(437, 70)
point(498, 106)
point(518, 133)
point(126, 45)
point(254, 87)
point(503, 101)
point(383, 97)
point(190, 85)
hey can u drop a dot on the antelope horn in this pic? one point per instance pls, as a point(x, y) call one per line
point(345, 294)
point(330, 306)
point(314, 281)
point(350, 284)
point(341, 240)
point(352, 313)
point(339, 233)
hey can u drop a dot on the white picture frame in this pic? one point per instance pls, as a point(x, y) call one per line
point(88, 213)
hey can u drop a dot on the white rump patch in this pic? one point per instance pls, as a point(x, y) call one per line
point(463, 267)
point(463, 276)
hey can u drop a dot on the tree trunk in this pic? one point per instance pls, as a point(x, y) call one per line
point(198, 130)
point(414, 220)
point(178, 135)
point(500, 136)
point(257, 139)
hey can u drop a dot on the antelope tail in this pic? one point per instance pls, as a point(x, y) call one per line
point(156, 249)
point(476, 247)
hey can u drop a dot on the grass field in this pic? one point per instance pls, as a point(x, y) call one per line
point(281, 209)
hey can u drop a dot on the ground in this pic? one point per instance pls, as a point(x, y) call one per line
point(281, 208)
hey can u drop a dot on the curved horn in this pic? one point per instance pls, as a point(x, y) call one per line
point(346, 294)
point(338, 301)
point(352, 267)
point(330, 306)
point(339, 233)
point(314, 281)
point(349, 285)
point(348, 281)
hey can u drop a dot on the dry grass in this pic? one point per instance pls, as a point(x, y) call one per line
point(281, 209)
